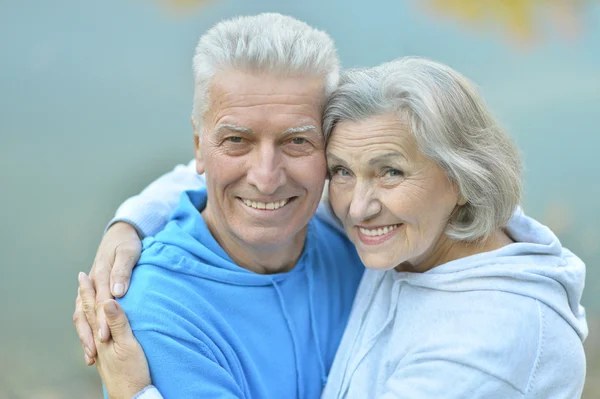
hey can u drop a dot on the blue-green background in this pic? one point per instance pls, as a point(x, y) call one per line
point(95, 99)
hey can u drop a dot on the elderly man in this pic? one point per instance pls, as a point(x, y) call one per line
point(236, 296)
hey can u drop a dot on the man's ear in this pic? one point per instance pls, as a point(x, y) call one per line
point(198, 147)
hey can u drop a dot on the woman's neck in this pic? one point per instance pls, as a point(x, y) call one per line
point(447, 250)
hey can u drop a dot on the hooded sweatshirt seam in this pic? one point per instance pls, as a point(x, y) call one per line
point(496, 262)
point(206, 351)
point(198, 269)
point(540, 350)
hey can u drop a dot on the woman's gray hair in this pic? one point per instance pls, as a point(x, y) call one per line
point(451, 125)
point(269, 43)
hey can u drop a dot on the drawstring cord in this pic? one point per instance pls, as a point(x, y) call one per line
point(313, 326)
point(299, 387)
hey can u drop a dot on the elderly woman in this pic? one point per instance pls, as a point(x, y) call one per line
point(464, 295)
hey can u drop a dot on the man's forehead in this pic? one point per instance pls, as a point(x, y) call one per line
point(246, 89)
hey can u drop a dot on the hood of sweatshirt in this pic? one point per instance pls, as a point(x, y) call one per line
point(536, 265)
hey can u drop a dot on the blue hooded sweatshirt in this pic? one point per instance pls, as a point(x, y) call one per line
point(211, 329)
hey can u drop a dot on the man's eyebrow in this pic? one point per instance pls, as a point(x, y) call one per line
point(234, 128)
point(300, 129)
point(385, 157)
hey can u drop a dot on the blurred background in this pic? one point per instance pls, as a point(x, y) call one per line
point(95, 99)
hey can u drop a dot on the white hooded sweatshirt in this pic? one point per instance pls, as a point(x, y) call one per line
point(501, 324)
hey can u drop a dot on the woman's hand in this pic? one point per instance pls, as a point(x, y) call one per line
point(120, 361)
point(118, 253)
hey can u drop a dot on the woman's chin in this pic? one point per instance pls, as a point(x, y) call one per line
point(377, 261)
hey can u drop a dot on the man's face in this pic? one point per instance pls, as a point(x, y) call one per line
point(262, 150)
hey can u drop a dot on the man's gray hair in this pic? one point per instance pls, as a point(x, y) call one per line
point(451, 125)
point(269, 43)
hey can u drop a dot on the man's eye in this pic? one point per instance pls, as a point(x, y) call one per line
point(298, 140)
point(235, 139)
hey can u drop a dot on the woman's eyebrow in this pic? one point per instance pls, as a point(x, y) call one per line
point(385, 157)
point(334, 159)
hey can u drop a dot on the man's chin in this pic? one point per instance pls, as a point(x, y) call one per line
point(267, 237)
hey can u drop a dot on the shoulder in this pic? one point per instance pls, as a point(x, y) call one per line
point(560, 367)
point(330, 239)
point(163, 294)
point(506, 320)
point(495, 333)
point(333, 250)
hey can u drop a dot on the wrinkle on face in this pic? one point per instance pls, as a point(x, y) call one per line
point(236, 93)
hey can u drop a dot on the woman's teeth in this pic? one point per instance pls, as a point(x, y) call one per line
point(379, 231)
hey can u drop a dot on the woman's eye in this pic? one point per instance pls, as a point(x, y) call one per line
point(391, 172)
point(298, 140)
point(338, 171)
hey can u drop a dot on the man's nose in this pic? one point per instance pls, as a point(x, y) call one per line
point(267, 172)
point(365, 205)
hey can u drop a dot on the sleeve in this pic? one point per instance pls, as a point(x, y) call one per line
point(441, 378)
point(149, 211)
point(150, 392)
point(180, 369)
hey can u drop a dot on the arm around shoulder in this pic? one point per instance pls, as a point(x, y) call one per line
point(149, 211)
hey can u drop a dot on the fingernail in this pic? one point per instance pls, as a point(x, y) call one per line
point(118, 289)
point(88, 352)
point(111, 308)
point(87, 359)
point(80, 276)
point(100, 334)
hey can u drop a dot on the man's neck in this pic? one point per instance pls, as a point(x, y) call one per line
point(261, 259)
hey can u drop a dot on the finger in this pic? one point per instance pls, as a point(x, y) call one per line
point(118, 322)
point(126, 257)
point(84, 330)
point(88, 300)
point(101, 281)
point(100, 276)
point(89, 361)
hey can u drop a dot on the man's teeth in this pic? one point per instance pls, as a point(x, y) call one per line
point(266, 205)
point(377, 232)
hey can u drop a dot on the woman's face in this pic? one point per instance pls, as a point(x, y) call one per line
point(394, 202)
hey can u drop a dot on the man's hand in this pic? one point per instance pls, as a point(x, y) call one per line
point(121, 362)
point(118, 253)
